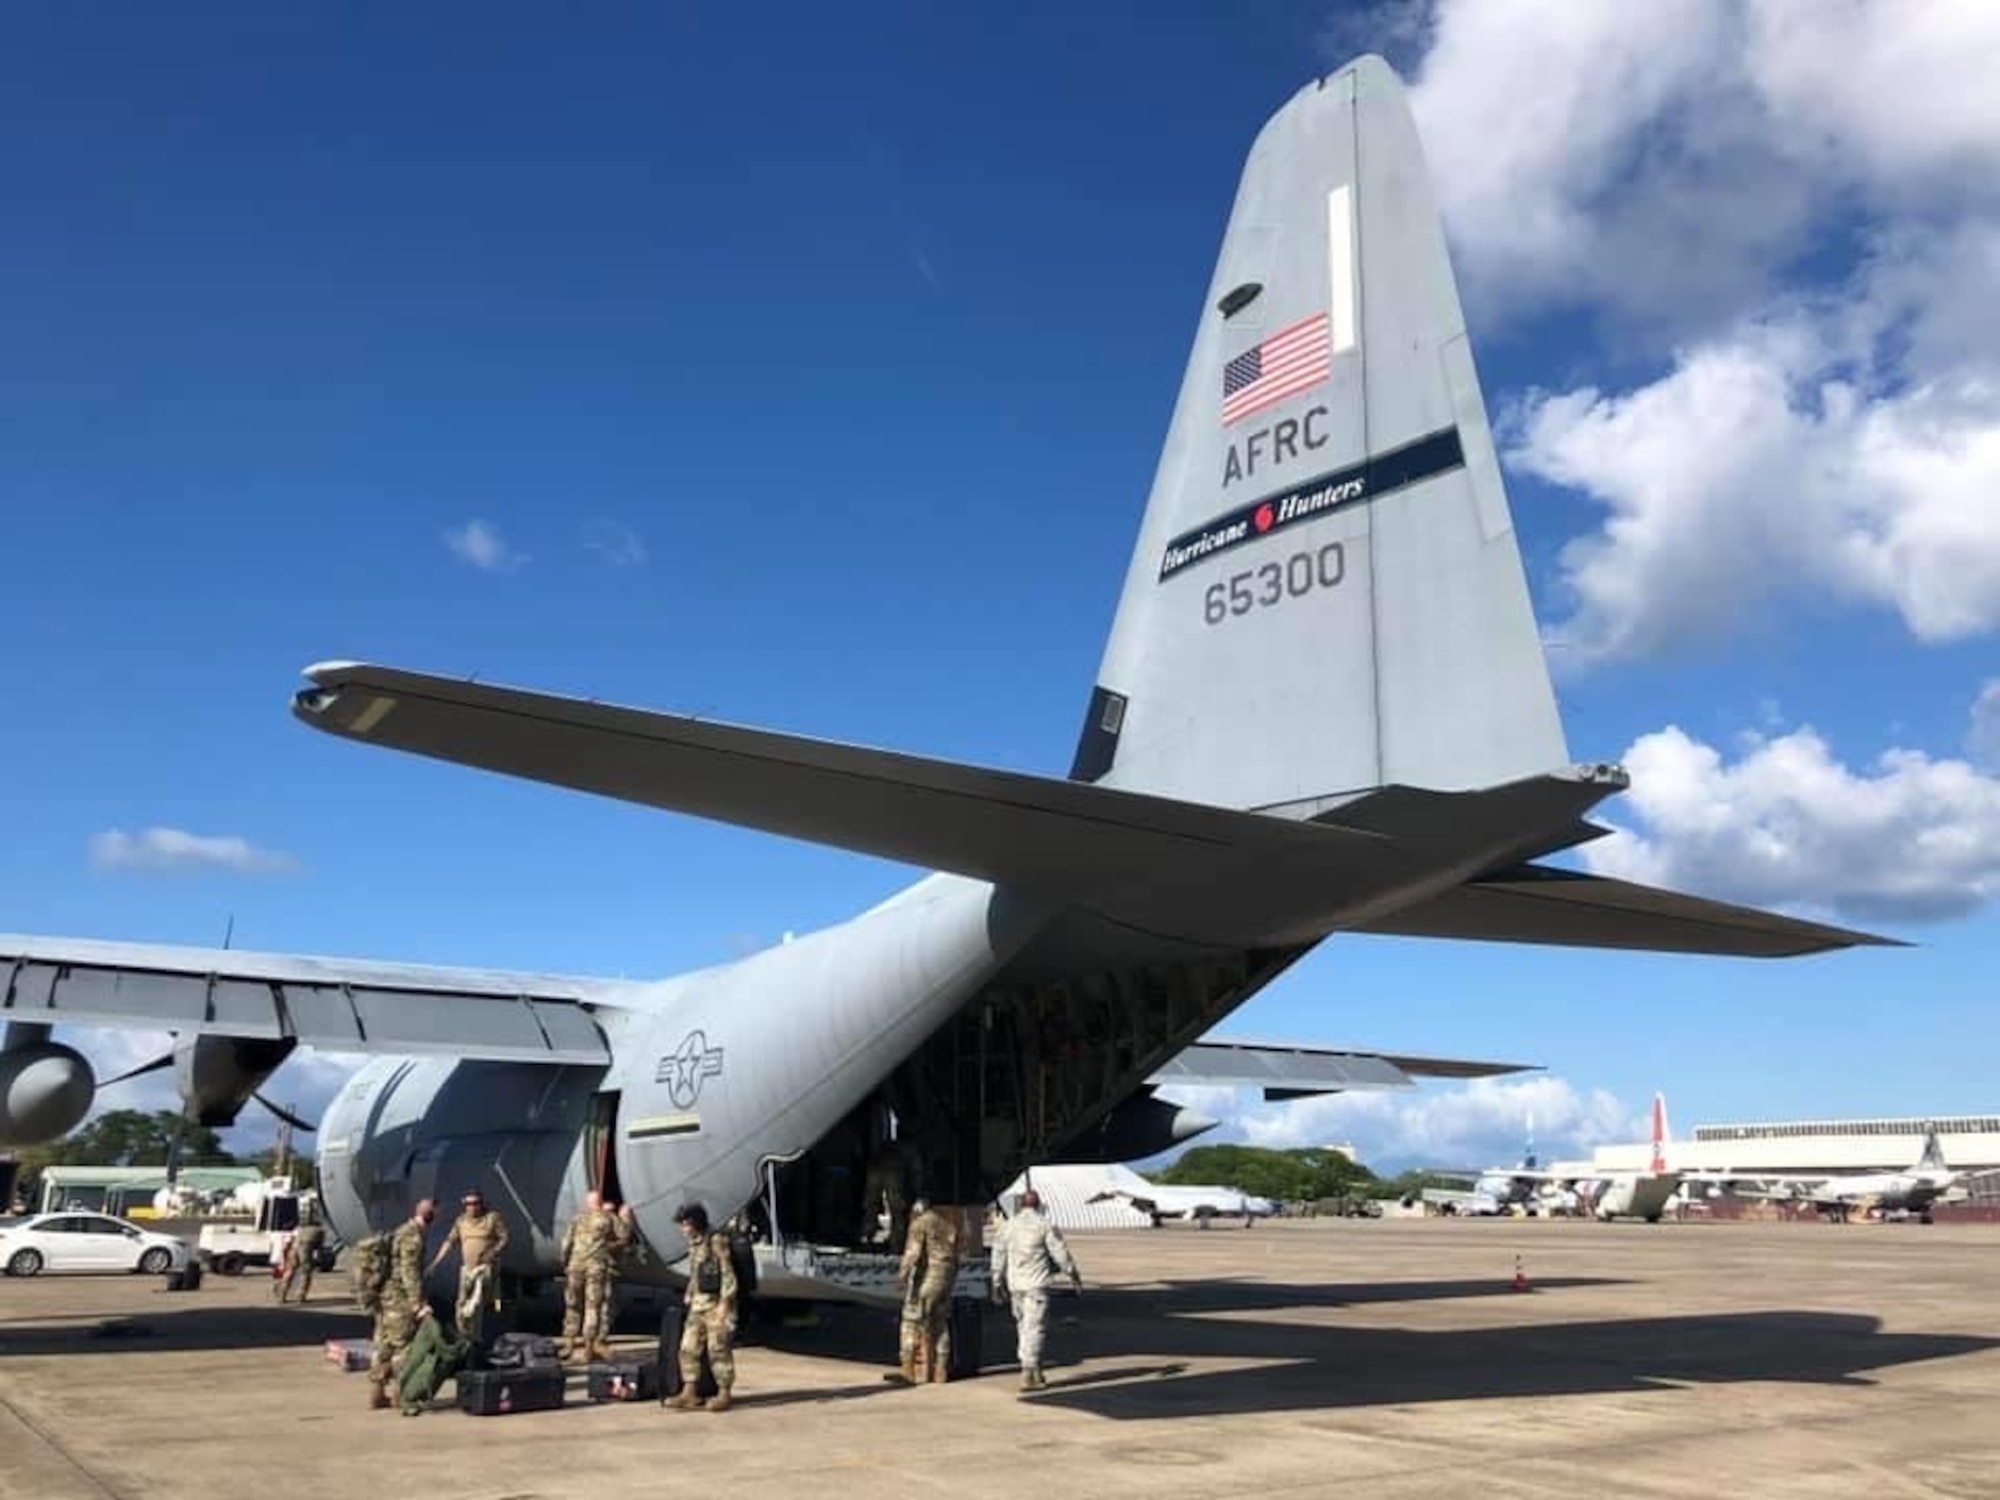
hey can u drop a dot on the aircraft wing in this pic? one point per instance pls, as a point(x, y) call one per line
point(1181, 867)
point(1537, 904)
point(1176, 868)
point(339, 1005)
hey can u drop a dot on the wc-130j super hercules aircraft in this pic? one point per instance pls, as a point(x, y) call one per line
point(1323, 708)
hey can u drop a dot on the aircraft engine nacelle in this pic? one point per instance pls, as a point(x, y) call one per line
point(1142, 1126)
point(218, 1074)
point(45, 1091)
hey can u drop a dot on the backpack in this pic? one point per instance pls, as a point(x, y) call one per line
point(371, 1270)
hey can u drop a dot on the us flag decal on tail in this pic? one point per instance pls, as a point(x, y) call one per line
point(1284, 364)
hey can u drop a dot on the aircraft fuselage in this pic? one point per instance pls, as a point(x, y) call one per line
point(717, 1074)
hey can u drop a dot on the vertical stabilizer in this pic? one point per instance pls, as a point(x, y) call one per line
point(1326, 596)
point(1659, 1161)
point(1933, 1158)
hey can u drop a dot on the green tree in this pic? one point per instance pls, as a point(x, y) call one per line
point(1287, 1176)
point(127, 1138)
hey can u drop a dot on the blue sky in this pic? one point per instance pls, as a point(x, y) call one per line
point(691, 362)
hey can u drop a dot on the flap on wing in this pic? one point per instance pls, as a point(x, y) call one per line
point(335, 1004)
point(1289, 1072)
point(1535, 904)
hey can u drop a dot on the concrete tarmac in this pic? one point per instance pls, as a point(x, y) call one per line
point(1376, 1357)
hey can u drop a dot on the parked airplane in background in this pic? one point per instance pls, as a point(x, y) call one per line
point(1499, 1189)
point(1174, 1201)
point(1323, 707)
point(1915, 1191)
point(1636, 1195)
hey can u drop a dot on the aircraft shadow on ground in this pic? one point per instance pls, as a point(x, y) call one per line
point(1127, 1353)
point(1319, 1366)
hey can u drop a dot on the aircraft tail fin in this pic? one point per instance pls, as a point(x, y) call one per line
point(1932, 1159)
point(1659, 1161)
point(1326, 595)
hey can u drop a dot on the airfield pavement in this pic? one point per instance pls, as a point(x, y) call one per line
point(1379, 1357)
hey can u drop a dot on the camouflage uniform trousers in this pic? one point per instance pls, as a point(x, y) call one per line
point(1031, 1310)
point(927, 1312)
point(475, 1295)
point(395, 1327)
point(709, 1327)
point(587, 1302)
point(301, 1276)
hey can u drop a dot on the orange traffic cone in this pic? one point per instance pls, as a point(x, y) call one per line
point(1520, 1276)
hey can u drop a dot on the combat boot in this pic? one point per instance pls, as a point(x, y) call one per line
point(378, 1397)
point(600, 1352)
point(685, 1399)
point(720, 1401)
point(566, 1351)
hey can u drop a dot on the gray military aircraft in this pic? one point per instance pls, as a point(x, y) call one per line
point(1323, 708)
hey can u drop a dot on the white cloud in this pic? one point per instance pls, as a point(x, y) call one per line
point(1982, 739)
point(1673, 165)
point(615, 543)
point(1769, 464)
point(481, 545)
point(1666, 159)
point(1479, 1124)
point(1908, 839)
point(172, 850)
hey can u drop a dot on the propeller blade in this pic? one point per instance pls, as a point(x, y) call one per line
point(305, 1127)
point(164, 1061)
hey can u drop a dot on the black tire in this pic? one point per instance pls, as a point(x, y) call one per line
point(156, 1261)
point(24, 1263)
point(229, 1263)
point(1652, 1218)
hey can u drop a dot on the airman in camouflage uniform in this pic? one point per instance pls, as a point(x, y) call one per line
point(300, 1254)
point(591, 1247)
point(929, 1273)
point(402, 1302)
point(1028, 1253)
point(480, 1233)
point(711, 1315)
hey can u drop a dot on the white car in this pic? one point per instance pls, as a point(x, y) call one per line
point(85, 1242)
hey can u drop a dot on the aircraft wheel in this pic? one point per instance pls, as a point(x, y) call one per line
point(1652, 1218)
point(156, 1261)
point(24, 1263)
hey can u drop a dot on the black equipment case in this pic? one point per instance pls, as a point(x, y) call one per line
point(495, 1393)
point(673, 1322)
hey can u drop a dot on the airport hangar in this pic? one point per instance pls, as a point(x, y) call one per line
point(1971, 1143)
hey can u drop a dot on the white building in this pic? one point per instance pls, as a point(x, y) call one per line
point(1970, 1143)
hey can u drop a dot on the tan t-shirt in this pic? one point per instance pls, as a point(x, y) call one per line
point(480, 1237)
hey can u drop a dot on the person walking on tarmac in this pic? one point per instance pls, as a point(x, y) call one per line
point(1028, 1253)
point(929, 1273)
point(711, 1311)
point(480, 1234)
point(301, 1254)
point(591, 1248)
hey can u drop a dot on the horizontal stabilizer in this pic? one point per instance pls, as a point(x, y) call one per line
point(1288, 1072)
point(339, 1005)
point(1174, 867)
point(1534, 904)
